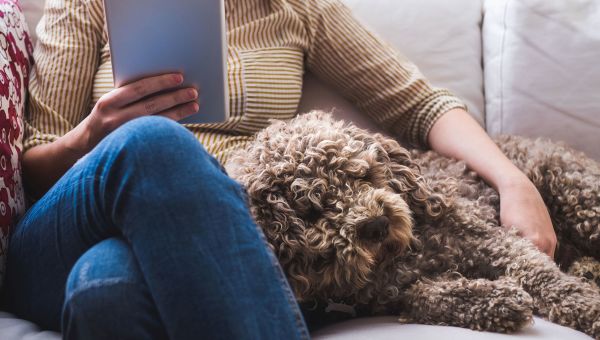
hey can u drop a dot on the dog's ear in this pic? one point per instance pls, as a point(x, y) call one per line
point(408, 181)
point(284, 230)
point(286, 235)
point(267, 174)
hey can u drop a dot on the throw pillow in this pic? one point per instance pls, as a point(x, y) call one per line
point(15, 57)
point(541, 70)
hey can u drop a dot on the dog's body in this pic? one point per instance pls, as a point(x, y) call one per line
point(354, 217)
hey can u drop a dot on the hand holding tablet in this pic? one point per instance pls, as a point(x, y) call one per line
point(159, 95)
point(149, 38)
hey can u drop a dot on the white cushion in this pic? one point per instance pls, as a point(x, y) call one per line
point(12, 328)
point(33, 10)
point(541, 70)
point(442, 37)
point(388, 328)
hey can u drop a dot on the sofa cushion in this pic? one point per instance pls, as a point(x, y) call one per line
point(15, 50)
point(442, 37)
point(388, 328)
point(12, 328)
point(33, 10)
point(541, 70)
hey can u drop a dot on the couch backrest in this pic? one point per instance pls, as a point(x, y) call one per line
point(541, 70)
point(33, 10)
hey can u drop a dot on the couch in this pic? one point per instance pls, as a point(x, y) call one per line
point(527, 67)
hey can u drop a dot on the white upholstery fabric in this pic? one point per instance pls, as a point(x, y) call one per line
point(380, 328)
point(33, 10)
point(541, 70)
point(387, 328)
point(442, 37)
point(12, 328)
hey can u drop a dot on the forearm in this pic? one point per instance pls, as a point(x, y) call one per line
point(457, 135)
point(45, 164)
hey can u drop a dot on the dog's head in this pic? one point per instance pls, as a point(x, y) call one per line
point(333, 200)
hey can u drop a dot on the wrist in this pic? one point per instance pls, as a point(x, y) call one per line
point(77, 141)
point(509, 182)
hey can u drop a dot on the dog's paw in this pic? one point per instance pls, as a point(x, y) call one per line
point(479, 304)
point(578, 311)
point(596, 330)
point(511, 310)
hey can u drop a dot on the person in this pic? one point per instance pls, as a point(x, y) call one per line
point(138, 232)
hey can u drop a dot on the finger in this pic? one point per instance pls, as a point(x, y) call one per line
point(162, 102)
point(181, 111)
point(135, 91)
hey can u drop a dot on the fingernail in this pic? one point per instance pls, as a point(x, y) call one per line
point(193, 93)
point(178, 78)
point(196, 107)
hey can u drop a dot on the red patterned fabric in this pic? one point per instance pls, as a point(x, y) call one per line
point(15, 57)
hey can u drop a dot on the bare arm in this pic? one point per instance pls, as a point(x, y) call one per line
point(457, 135)
point(43, 165)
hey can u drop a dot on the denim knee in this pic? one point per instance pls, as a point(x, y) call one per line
point(156, 140)
point(93, 309)
point(108, 264)
point(153, 164)
point(111, 260)
point(106, 296)
point(158, 143)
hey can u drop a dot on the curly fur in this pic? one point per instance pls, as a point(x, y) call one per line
point(317, 187)
point(587, 268)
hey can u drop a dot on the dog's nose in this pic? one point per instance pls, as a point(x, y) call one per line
point(375, 230)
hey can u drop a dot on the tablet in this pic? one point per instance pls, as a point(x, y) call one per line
point(152, 37)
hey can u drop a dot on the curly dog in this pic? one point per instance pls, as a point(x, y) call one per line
point(355, 217)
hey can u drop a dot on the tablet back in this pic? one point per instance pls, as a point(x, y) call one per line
point(151, 37)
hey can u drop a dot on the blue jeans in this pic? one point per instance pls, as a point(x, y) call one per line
point(146, 237)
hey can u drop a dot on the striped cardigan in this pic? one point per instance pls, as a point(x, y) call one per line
point(271, 44)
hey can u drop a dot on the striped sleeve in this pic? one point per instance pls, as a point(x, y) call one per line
point(66, 58)
point(371, 74)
